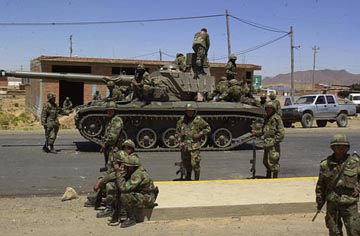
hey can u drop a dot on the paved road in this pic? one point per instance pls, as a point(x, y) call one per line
point(25, 169)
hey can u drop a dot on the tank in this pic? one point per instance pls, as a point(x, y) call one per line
point(152, 125)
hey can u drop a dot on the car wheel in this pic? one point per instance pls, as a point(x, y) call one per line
point(307, 120)
point(342, 120)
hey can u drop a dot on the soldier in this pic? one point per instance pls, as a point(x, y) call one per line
point(339, 186)
point(230, 68)
point(277, 103)
point(97, 96)
point(136, 187)
point(107, 182)
point(113, 130)
point(115, 93)
point(181, 61)
point(221, 90)
point(142, 85)
point(273, 131)
point(201, 45)
point(263, 100)
point(234, 91)
point(67, 107)
point(50, 122)
point(189, 130)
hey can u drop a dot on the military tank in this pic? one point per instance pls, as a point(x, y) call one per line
point(152, 125)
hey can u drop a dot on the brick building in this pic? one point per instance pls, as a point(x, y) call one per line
point(81, 92)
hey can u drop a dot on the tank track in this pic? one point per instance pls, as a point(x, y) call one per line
point(235, 142)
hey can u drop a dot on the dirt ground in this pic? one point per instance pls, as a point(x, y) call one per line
point(14, 117)
point(44, 216)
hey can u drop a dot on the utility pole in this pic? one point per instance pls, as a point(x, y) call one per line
point(292, 90)
point(315, 48)
point(228, 32)
point(160, 54)
point(71, 49)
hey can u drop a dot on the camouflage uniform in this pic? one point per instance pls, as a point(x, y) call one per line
point(201, 45)
point(137, 189)
point(338, 191)
point(115, 93)
point(50, 121)
point(221, 90)
point(181, 61)
point(277, 103)
point(97, 96)
point(186, 127)
point(143, 86)
point(67, 107)
point(273, 131)
point(111, 138)
point(234, 92)
point(263, 100)
point(230, 68)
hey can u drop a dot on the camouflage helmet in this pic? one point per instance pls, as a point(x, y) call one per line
point(233, 82)
point(339, 139)
point(270, 104)
point(232, 57)
point(110, 84)
point(179, 54)
point(140, 67)
point(272, 96)
point(50, 96)
point(133, 160)
point(129, 143)
point(111, 105)
point(190, 107)
point(223, 78)
point(67, 98)
point(121, 156)
point(263, 96)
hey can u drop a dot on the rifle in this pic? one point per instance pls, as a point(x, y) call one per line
point(253, 160)
point(181, 165)
point(331, 187)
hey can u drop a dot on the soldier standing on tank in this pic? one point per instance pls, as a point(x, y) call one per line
point(274, 132)
point(189, 130)
point(277, 103)
point(142, 85)
point(50, 122)
point(230, 68)
point(180, 61)
point(113, 130)
point(201, 45)
point(339, 186)
point(136, 187)
point(67, 107)
point(115, 93)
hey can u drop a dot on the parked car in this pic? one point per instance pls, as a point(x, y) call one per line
point(320, 107)
point(355, 98)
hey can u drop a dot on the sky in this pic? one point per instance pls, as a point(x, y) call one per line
point(330, 25)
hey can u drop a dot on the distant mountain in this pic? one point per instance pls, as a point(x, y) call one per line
point(304, 78)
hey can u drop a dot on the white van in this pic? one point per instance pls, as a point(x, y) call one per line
point(355, 98)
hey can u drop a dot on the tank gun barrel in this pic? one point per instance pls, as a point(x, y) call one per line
point(341, 85)
point(70, 77)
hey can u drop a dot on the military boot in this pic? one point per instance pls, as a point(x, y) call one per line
point(107, 211)
point(52, 149)
point(130, 221)
point(197, 174)
point(45, 148)
point(275, 174)
point(90, 202)
point(268, 174)
point(188, 175)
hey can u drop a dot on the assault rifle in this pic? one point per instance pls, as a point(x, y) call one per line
point(181, 165)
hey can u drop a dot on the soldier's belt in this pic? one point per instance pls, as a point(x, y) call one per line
point(343, 191)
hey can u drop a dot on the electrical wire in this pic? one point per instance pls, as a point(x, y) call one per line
point(260, 26)
point(106, 22)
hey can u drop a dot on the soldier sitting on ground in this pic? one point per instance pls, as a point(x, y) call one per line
point(67, 107)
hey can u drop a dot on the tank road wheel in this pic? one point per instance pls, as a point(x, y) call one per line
point(203, 140)
point(222, 137)
point(92, 126)
point(168, 138)
point(123, 136)
point(342, 120)
point(146, 138)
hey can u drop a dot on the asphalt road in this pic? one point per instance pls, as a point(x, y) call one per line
point(26, 170)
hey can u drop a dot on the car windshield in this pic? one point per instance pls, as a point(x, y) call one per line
point(305, 100)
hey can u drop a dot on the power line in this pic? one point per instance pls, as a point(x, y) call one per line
point(255, 47)
point(260, 26)
point(106, 22)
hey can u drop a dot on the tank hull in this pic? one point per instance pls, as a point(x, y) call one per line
point(152, 127)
